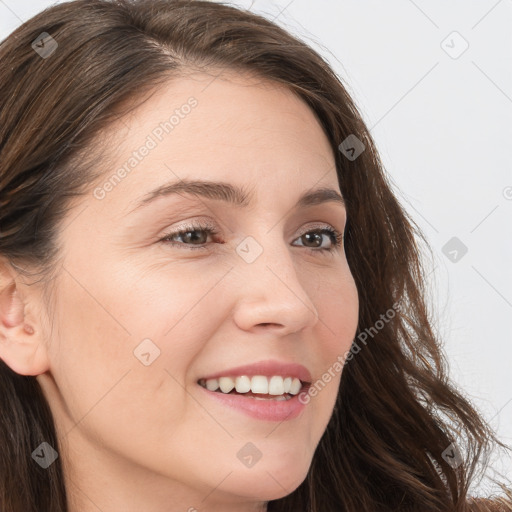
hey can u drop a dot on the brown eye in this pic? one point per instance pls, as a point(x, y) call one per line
point(194, 235)
point(315, 237)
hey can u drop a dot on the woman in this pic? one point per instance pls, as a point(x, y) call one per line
point(279, 359)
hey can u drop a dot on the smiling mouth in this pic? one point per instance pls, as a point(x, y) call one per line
point(258, 387)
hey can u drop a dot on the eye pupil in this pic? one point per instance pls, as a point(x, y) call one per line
point(318, 237)
point(194, 237)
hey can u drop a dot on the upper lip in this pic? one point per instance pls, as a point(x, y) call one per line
point(267, 368)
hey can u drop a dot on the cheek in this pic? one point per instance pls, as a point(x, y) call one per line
point(111, 399)
point(337, 304)
point(112, 360)
point(163, 302)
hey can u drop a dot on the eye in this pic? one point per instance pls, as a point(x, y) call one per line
point(199, 233)
point(315, 235)
point(185, 232)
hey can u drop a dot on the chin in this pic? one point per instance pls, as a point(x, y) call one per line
point(267, 484)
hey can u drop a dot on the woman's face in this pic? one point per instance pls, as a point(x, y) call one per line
point(139, 321)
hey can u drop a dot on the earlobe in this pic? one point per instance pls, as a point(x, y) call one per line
point(21, 345)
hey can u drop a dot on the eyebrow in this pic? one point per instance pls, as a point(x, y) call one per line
point(232, 194)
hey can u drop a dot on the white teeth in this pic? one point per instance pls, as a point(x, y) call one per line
point(212, 384)
point(259, 384)
point(243, 384)
point(295, 386)
point(226, 384)
point(275, 385)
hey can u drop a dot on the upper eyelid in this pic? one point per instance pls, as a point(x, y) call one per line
point(207, 225)
point(319, 225)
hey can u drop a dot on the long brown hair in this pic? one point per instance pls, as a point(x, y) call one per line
point(398, 423)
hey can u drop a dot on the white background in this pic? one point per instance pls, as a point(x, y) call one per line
point(442, 125)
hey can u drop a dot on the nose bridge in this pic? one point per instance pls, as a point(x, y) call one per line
point(273, 293)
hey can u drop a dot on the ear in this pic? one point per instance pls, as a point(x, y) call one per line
point(22, 346)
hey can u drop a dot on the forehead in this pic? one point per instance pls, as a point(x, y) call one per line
point(230, 128)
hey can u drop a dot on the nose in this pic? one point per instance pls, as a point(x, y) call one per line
point(272, 293)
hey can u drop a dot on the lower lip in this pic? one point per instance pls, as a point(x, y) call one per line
point(269, 410)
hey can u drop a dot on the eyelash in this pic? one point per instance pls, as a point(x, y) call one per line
point(336, 237)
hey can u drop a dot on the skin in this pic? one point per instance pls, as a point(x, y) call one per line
point(138, 437)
